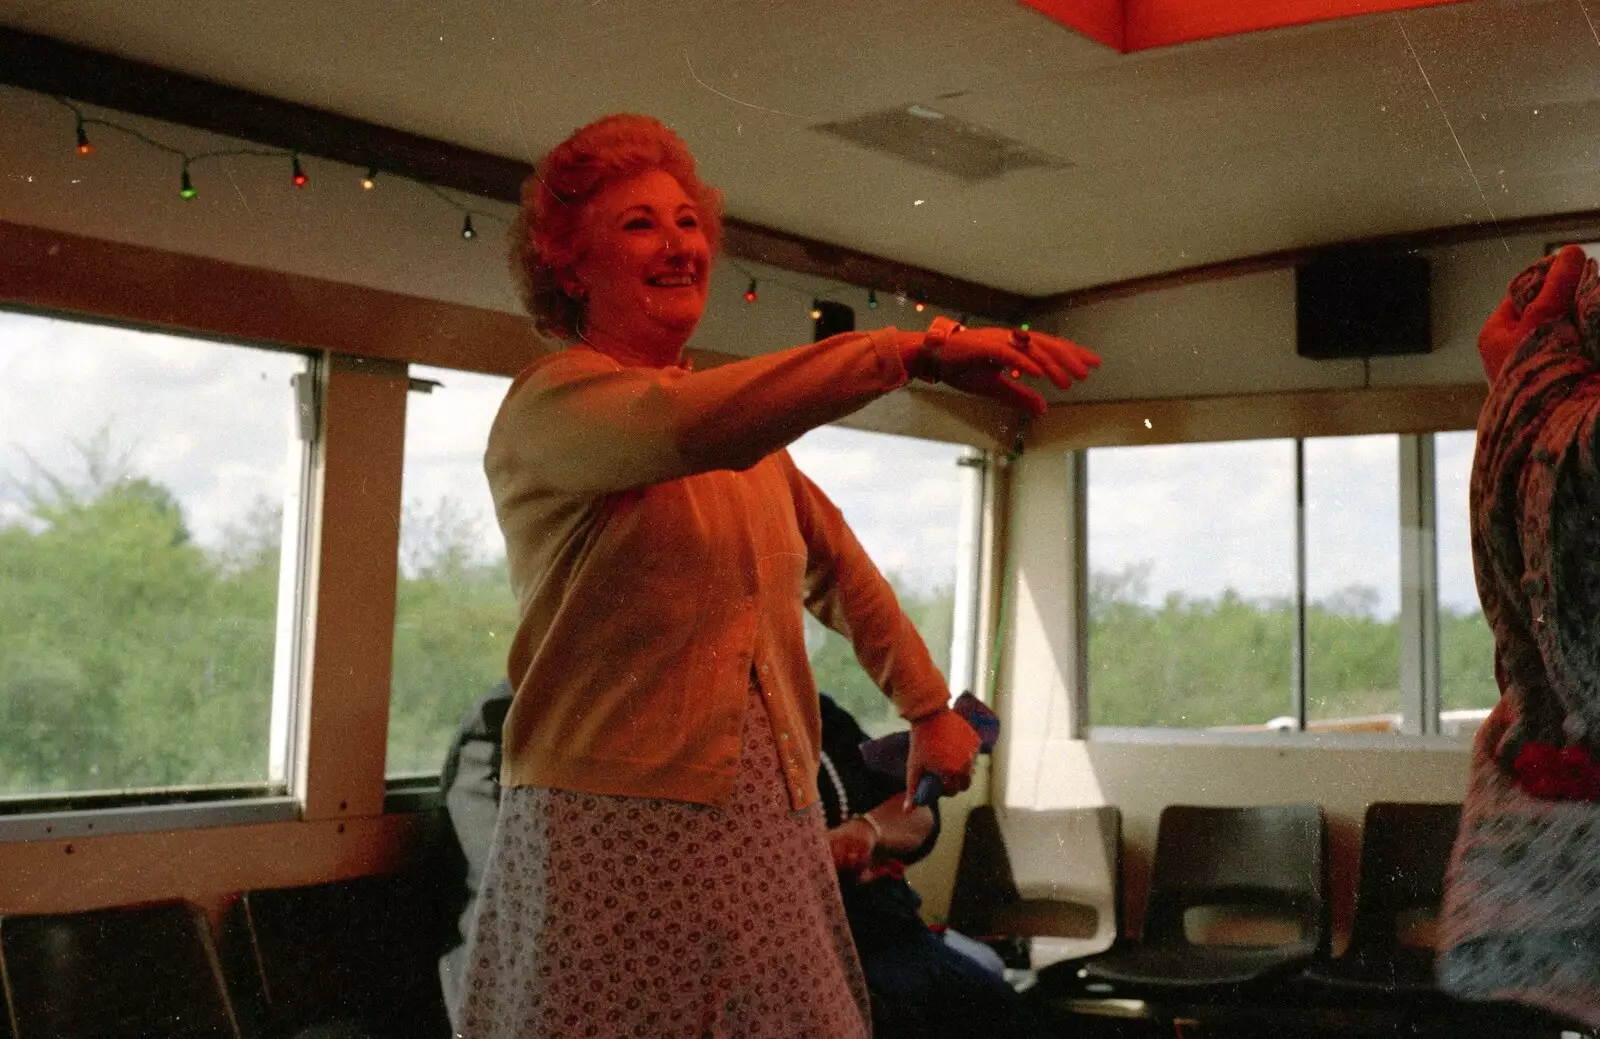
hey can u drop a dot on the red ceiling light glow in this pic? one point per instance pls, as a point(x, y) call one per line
point(1135, 25)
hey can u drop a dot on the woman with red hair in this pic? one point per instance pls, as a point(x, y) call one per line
point(660, 866)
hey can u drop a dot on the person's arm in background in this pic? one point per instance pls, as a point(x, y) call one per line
point(888, 831)
point(894, 832)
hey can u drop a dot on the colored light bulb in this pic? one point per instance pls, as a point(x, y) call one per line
point(370, 181)
point(186, 189)
point(298, 177)
point(872, 299)
point(750, 293)
point(467, 231)
point(84, 145)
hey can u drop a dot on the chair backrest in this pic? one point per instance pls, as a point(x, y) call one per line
point(352, 951)
point(1071, 855)
point(140, 971)
point(983, 874)
point(1266, 859)
point(1405, 851)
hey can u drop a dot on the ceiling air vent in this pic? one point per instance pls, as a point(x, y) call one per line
point(941, 142)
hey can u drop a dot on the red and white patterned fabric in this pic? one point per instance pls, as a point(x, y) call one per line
point(1521, 917)
point(622, 916)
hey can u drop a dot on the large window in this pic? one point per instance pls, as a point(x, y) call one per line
point(146, 620)
point(1266, 585)
point(454, 614)
point(1191, 584)
point(1466, 648)
point(1352, 549)
point(913, 504)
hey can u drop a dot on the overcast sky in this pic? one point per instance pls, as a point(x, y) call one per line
point(215, 426)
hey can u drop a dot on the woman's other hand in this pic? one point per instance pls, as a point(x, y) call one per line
point(990, 362)
point(945, 745)
point(1510, 325)
point(852, 843)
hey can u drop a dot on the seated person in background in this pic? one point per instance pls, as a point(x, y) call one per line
point(920, 985)
point(470, 781)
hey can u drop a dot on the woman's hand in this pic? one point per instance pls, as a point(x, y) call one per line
point(944, 744)
point(990, 362)
point(852, 843)
point(1510, 324)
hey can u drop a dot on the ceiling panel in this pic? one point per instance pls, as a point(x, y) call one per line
point(1470, 112)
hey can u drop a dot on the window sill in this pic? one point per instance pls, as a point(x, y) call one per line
point(58, 823)
point(1280, 740)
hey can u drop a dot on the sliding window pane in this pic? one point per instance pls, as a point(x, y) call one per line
point(1352, 493)
point(1467, 687)
point(911, 503)
point(147, 483)
point(454, 613)
point(1191, 584)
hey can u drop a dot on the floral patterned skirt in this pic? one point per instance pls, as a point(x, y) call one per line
point(621, 916)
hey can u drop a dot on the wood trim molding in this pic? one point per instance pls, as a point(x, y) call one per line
point(50, 66)
point(57, 272)
point(355, 550)
point(208, 865)
point(1314, 413)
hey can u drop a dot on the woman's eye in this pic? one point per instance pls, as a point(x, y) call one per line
point(688, 221)
point(638, 223)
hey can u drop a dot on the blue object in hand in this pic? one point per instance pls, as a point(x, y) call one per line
point(889, 754)
point(929, 788)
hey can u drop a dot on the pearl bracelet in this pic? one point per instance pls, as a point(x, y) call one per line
point(877, 830)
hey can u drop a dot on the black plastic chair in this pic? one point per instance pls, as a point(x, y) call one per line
point(145, 971)
point(1071, 864)
point(1383, 983)
point(1405, 850)
point(349, 958)
point(1267, 860)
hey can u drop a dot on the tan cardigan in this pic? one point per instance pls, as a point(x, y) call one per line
point(661, 544)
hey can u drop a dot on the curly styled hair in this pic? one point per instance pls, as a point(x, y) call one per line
point(544, 235)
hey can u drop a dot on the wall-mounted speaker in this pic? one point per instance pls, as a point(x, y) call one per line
point(1362, 302)
point(832, 318)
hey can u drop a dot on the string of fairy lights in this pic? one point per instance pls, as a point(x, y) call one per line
point(84, 121)
point(187, 161)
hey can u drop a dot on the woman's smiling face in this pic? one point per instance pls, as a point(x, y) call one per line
point(644, 266)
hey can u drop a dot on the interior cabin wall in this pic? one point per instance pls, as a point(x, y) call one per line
point(1221, 337)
